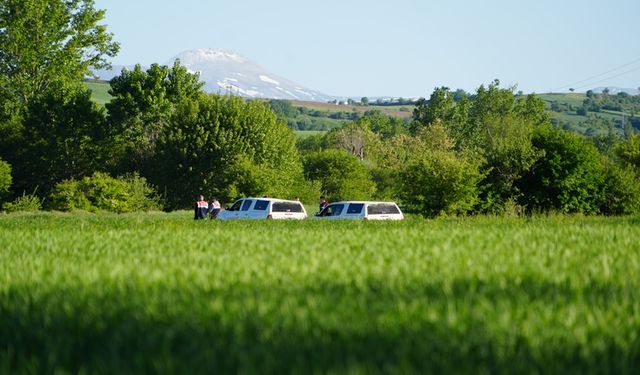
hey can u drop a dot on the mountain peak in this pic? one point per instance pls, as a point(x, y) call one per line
point(229, 72)
point(212, 55)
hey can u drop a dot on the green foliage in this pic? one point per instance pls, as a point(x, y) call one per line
point(439, 180)
point(439, 107)
point(103, 192)
point(51, 44)
point(509, 154)
point(567, 178)
point(283, 108)
point(143, 104)
point(629, 151)
point(24, 203)
point(144, 293)
point(5, 177)
point(64, 136)
point(227, 147)
point(620, 190)
point(341, 175)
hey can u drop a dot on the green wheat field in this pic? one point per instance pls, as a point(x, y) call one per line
point(149, 293)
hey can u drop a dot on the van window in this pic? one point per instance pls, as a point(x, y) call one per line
point(335, 209)
point(261, 205)
point(236, 206)
point(355, 208)
point(246, 205)
point(286, 207)
point(382, 209)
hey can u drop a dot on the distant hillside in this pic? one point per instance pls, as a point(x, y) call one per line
point(598, 115)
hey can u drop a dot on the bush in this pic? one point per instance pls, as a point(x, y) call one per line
point(441, 183)
point(25, 203)
point(621, 191)
point(567, 178)
point(341, 175)
point(103, 192)
point(5, 177)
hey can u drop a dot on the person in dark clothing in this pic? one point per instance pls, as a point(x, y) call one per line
point(201, 209)
point(214, 208)
point(323, 203)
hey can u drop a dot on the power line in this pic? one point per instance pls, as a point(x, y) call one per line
point(599, 75)
point(608, 78)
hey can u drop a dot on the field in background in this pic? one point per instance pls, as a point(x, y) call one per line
point(402, 111)
point(99, 92)
point(162, 293)
point(567, 118)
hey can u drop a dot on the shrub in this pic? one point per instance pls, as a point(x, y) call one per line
point(441, 183)
point(438, 180)
point(5, 177)
point(621, 191)
point(25, 203)
point(567, 178)
point(103, 192)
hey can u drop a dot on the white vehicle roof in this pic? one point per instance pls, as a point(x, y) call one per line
point(365, 202)
point(269, 199)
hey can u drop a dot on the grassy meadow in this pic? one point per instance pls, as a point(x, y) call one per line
point(161, 293)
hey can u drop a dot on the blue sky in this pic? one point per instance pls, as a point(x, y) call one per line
point(396, 48)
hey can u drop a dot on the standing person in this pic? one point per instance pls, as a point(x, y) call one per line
point(214, 208)
point(201, 209)
point(323, 203)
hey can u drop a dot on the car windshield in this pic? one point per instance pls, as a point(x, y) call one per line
point(382, 209)
point(235, 207)
point(287, 207)
point(332, 210)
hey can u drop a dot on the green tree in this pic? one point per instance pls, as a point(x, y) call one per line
point(364, 100)
point(225, 146)
point(629, 151)
point(45, 43)
point(440, 180)
point(142, 106)
point(440, 106)
point(567, 178)
point(64, 136)
point(509, 153)
point(341, 175)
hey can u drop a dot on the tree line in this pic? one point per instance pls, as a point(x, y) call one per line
point(162, 140)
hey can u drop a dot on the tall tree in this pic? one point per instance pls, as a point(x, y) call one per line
point(50, 42)
point(142, 104)
point(46, 119)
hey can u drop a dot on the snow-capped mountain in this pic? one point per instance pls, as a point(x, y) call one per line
point(228, 72)
point(225, 72)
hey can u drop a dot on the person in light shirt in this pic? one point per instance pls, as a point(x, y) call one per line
point(214, 208)
point(201, 209)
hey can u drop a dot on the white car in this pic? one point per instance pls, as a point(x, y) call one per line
point(361, 210)
point(264, 208)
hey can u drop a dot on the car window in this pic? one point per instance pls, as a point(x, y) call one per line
point(355, 208)
point(335, 209)
point(286, 207)
point(261, 205)
point(382, 209)
point(236, 206)
point(246, 204)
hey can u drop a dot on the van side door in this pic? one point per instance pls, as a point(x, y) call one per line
point(245, 210)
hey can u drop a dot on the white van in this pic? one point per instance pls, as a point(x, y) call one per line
point(361, 210)
point(264, 208)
